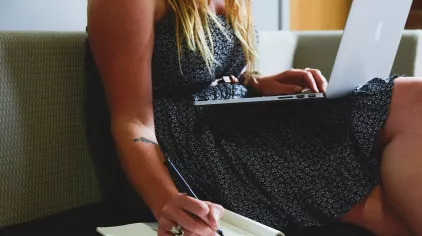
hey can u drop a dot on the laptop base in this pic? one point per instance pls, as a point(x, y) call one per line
point(266, 99)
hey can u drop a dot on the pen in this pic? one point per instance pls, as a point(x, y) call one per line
point(184, 187)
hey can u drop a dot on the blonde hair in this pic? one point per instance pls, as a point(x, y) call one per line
point(192, 26)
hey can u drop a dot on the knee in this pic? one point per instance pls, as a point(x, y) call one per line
point(406, 107)
point(407, 89)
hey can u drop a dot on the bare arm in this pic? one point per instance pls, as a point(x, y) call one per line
point(121, 35)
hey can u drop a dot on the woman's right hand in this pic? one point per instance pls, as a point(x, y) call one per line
point(197, 218)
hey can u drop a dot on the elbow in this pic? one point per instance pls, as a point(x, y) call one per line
point(131, 129)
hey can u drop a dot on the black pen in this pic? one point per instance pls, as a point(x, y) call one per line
point(183, 186)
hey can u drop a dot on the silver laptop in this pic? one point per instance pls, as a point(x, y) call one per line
point(367, 50)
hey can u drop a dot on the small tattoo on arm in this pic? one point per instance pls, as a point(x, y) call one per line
point(145, 140)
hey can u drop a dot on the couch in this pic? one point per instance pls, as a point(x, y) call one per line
point(47, 180)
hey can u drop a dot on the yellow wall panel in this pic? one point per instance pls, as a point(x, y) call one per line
point(319, 14)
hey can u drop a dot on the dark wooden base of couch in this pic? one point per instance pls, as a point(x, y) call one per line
point(83, 222)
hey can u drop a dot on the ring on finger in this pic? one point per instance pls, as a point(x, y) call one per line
point(177, 230)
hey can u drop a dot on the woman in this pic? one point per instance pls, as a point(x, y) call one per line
point(356, 159)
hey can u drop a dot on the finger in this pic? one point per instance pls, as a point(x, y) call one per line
point(216, 212)
point(233, 79)
point(282, 89)
point(194, 224)
point(310, 82)
point(162, 232)
point(191, 213)
point(300, 75)
point(164, 227)
point(320, 79)
point(193, 206)
point(187, 221)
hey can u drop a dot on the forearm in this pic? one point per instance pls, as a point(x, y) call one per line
point(143, 163)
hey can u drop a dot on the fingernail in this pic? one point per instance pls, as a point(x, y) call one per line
point(217, 221)
point(298, 89)
point(217, 216)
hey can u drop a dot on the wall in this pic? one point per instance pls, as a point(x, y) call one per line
point(319, 14)
point(70, 15)
point(415, 16)
point(43, 15)
point(266, 14)
point(332, 14)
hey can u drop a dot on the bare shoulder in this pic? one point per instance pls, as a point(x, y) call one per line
point(157, 8)
point(161, 9)
point(121, 34)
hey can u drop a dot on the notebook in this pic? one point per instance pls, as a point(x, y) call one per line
point(232, 224)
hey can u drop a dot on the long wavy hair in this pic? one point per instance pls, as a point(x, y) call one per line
point(192, 27)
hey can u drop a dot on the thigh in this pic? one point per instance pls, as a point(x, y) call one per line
point(405, 112)
point(375, 214)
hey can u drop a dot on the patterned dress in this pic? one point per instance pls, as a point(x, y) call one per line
point(282, 164)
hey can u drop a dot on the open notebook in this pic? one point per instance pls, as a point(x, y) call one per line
point(232, 224)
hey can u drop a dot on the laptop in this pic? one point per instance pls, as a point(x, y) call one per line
point(367, 50)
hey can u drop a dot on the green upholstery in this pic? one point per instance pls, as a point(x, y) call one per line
point(44, 161)
point(318, 49)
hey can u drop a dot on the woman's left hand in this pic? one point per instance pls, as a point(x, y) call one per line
point(292, 81)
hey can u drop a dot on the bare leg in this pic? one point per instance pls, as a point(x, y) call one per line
point(398, 205)
point(402, 157)
point(374, 214)
point(402, 176)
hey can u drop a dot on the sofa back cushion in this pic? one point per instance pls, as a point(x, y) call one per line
point(44, 162)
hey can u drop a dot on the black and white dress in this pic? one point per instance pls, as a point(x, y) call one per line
point(282, 164)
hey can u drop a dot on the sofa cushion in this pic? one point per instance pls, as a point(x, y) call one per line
point(318, 49)
point(44, 166)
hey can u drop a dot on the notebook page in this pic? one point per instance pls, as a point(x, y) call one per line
point(136, 229)
point(248, 225)
point(141, 229)
point(230, 230)
point(231, 224)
